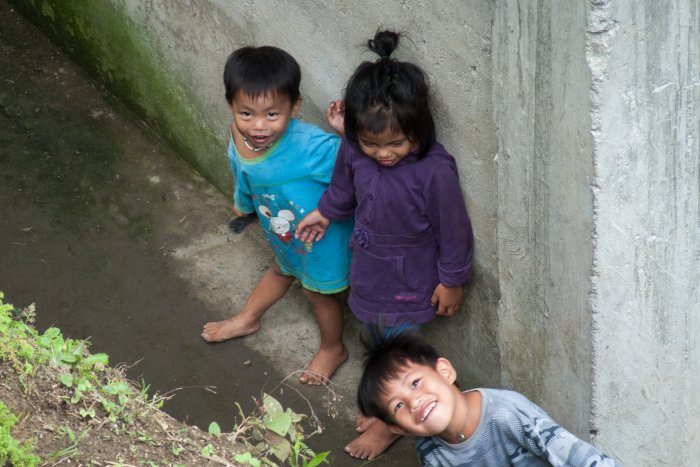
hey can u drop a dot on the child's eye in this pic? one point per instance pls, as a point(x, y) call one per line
point(245, 114)
point(273, 114)
point(415, 382)
point(396, 144)
point(398, 406)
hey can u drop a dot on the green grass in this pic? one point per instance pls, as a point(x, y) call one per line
point(93, 391)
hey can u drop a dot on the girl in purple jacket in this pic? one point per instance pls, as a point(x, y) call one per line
point(412, 243)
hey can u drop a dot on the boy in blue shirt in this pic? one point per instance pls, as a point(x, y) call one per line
point(281, 167)
point(412, 389)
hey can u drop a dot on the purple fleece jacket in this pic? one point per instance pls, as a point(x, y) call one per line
point(412, 231)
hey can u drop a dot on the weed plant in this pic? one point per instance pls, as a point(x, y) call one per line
point(98, 393)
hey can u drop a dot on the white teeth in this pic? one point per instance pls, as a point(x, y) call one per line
point(427, 411)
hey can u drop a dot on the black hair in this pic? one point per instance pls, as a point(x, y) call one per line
point(257, 71)
point(389, 94)
point(385, 357)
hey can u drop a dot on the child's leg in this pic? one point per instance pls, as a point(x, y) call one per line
point(332, 352)
point(271, 287)
point(374, 440)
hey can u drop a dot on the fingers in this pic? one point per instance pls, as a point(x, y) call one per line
point(447, 310)
point(303, 227)
point(303, 234)
point(334, 108)
point(300, 230)
point(313, 236)
point(308, 234)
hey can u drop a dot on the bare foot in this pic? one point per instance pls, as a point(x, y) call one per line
point(323, 365)
point(362, 422)
point(374, 441)
point(219, 331)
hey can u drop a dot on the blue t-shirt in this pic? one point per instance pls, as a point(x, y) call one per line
point(512, 431)
point(283, 185)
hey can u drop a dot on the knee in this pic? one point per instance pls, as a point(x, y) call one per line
point(310, 294)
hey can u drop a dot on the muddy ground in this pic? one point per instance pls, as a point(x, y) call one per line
point(116, 239)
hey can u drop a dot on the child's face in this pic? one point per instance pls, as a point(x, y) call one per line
point(423, 401)
point(387, 147)
point(263, 120)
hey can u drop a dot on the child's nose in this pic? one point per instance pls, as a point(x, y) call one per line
point(259, 124)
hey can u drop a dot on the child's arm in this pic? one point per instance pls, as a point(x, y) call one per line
point(538, 434)
point(335, 114)
point(338, 201)
point(312, 227)
point(242, 195)
point(449, 219)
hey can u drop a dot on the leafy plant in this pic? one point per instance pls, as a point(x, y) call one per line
point(12, 452)
point(73, 439)
point(214, 429)
point(275, 432)
point(90, 389)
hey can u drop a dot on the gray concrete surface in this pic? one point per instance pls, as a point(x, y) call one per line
point(575, 126)
point(545, 225)
point(645, 64)
point(596, 106)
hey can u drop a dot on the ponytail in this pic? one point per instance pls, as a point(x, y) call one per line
point(384, 43)
point(389, 94)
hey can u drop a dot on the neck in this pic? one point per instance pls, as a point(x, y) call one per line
point(466, 418)
point(253, 148)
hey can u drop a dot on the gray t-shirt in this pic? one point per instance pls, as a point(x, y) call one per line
point(512, 431)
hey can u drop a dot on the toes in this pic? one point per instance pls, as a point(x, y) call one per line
point(313, 379)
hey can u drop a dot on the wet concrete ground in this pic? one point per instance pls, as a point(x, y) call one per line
point(117, 240)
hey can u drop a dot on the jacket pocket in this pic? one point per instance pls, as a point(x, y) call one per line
point(382, 279)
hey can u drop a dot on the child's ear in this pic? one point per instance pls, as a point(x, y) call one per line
point(296, 107)
point(444, 367)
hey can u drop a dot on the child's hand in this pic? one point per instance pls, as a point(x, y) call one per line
point(336, 116)
point(312, 227)
point(447, 299)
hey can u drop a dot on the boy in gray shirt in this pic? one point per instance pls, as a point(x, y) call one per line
point(409, 386)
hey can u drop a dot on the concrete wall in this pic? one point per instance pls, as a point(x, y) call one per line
point(544, 202)
point(596, 110)
point(645, 63)
point(575, 126)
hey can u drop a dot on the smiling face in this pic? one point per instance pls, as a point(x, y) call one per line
point(262, 120)
point(423, 401)
point(387, 147)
